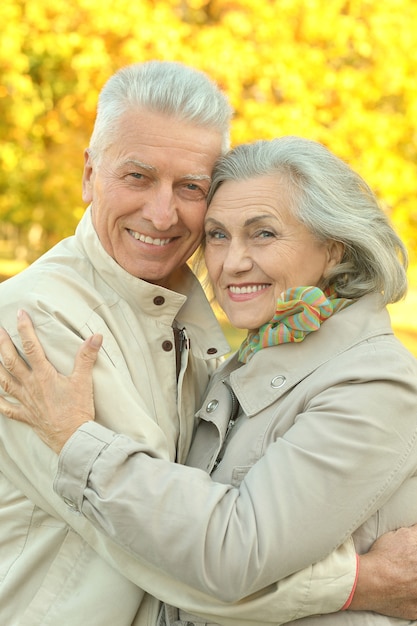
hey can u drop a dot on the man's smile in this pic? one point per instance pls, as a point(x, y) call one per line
point(146, 239)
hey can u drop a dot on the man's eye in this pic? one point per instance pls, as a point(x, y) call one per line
point(136, 175)
point(192, 191)
point(197, 189)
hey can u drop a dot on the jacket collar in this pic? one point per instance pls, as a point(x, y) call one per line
point(287, 364)
point(190, 308)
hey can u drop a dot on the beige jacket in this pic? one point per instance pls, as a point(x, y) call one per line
point(324, 446)
point(56, 569)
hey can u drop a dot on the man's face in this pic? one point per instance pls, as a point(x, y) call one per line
point(148, 193)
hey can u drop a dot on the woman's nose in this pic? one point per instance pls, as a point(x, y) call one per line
point(237, 259)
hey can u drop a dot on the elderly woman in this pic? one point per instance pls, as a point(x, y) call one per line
point(308, 433)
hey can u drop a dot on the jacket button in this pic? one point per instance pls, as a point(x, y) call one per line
point(212, 351)
point(158, 300)
point(212, 406)
point(70, 504)
point(278, 381)
point(167, 346)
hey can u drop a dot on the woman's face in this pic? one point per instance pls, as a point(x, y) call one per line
point(256, 249)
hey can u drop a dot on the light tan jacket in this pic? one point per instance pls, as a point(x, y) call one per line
point(56, 569)
point(325, 445)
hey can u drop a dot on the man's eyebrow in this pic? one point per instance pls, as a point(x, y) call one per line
point(151, 168)
point(196, 177)
point(136, 163)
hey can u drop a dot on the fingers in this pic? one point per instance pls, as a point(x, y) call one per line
point(30, 342)
point(13, 411)
point(7, 381)
point(14, 371)
point(9, 355)
point(10, 408)
point(86, 357)
point(84, 361)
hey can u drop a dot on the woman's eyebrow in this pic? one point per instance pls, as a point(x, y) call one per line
point(256, 218)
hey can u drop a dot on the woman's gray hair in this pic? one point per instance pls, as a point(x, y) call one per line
point(164, 87)
point(334, 203)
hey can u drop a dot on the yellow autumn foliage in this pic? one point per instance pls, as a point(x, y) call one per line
point(340, 72)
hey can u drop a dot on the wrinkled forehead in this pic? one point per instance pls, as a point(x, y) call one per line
point(164, 145)
point(257, 193)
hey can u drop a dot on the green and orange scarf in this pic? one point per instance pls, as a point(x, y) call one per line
point(300, 311)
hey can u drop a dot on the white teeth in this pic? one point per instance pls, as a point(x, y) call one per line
point(147, 239)
point(247, 288)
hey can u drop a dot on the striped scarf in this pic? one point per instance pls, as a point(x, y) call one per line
point(299, 311)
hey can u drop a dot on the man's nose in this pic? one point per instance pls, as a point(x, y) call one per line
point(161, 208)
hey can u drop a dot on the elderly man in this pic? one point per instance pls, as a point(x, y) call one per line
point(159, 129)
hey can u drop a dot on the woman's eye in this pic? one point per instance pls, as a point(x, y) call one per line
point(215, 234)
point(265, 234)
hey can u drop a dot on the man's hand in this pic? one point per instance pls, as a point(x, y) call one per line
point(52, 404)
point(387, 581)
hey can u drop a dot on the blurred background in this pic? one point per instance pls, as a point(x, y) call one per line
point(342, 72)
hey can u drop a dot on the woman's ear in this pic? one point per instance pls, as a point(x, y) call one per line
point(335, 252)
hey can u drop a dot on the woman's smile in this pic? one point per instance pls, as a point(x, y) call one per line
point(246, 289)
point(256, 249)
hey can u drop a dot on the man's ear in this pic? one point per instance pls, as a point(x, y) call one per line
point(87, 190)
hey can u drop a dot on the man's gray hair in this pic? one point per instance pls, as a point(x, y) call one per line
point(333, 202)
point(166, 87)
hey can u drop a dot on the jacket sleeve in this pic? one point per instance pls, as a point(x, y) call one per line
point(30, 465)
point(232, 542)
point(320, 588)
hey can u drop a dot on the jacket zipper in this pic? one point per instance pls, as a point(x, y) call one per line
point(234, 414)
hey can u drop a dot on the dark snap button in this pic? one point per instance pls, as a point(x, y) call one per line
point(212, 351)
point(158, 300)
point(167, 346)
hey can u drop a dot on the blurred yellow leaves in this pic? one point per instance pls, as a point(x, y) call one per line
point(341, 72)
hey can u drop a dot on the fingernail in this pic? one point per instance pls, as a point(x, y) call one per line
point(96, 341)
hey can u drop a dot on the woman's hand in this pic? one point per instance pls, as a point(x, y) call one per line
point(52, 404)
